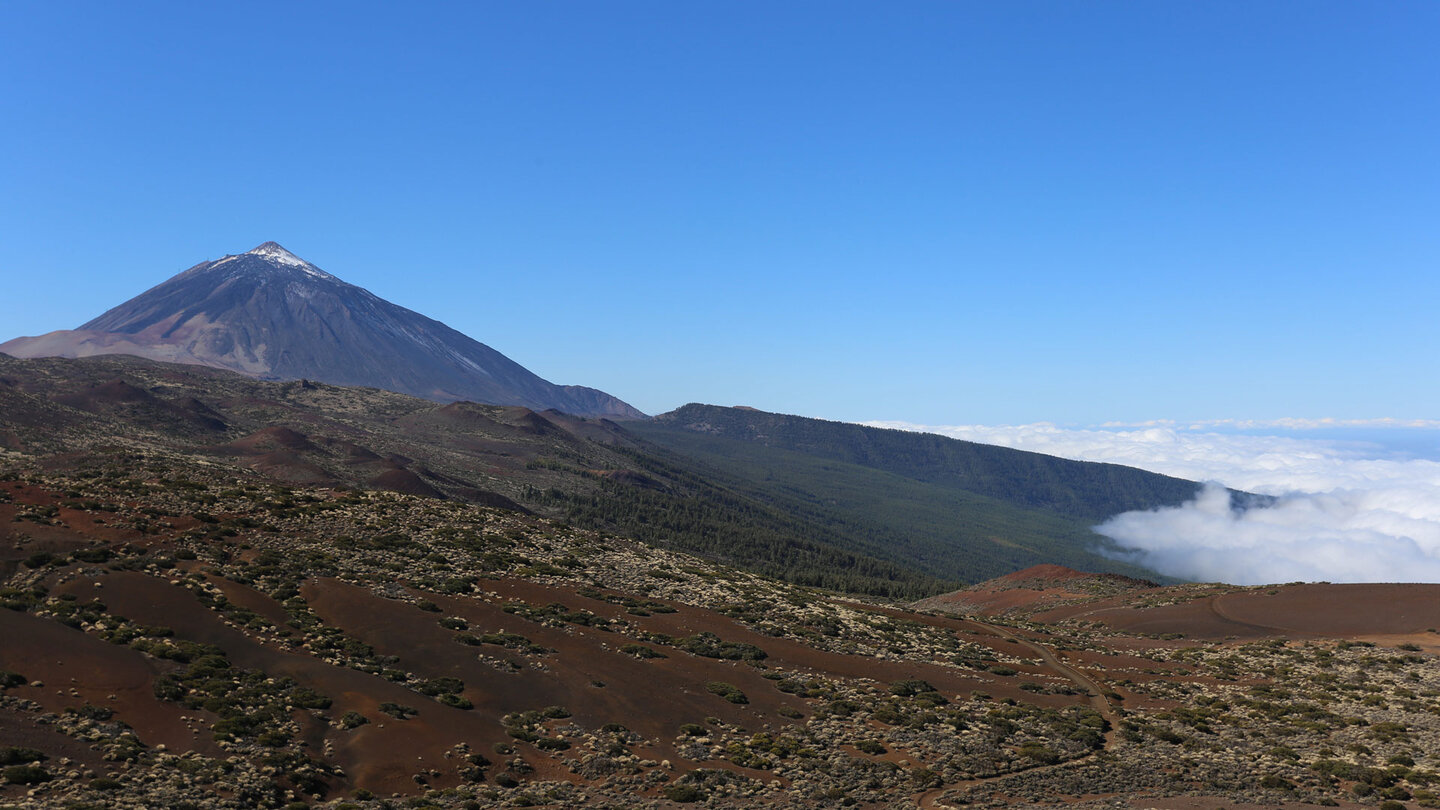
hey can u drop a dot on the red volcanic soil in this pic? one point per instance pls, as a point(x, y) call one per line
point(454, 416)
point(118, 396)
point(1217, 802)
point(19, 539)
point(1047, 572)
point(786, 653)
point(77, 668)
point(567, 677)
point(115, 392)
point(354, 453)
point(463, 417)
point(276, 451)
point(527, 421)
point(399, 480)
point(251, 599)
point(270, 439)
point(1036, 588)
point(366, 753)
point(287, 466)
point(25, 730)
point(587, 674)
point(1311, 610)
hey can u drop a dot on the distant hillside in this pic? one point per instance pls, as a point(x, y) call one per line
point(955, 510)
point(590, 471)
point(1079, 489)
point(269, 314)
point(805, 518)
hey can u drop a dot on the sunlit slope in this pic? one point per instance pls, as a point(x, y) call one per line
point(1085, 490)
point(939, 530)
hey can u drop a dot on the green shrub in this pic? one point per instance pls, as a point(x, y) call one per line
point(683, 794)
point(1169, 736)
point(92, 555)
point(440, 686)
point(92, 712)
point(710, 645)
point(924, 778)
point(641, 651)
point(26, 775)
point(399, 711)
point(39, 559)
point(1275, 782)
point(1038, 752)
point(16, 755)
point(910, 688)
point(457, 701)
point(728, 691)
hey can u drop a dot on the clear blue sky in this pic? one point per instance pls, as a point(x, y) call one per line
point(942, 212)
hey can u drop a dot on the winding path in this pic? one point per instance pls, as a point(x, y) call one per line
point(930, 799)
point(1213, 603)
point(1098, 701)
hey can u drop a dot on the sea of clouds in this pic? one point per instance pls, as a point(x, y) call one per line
point(1343, 510)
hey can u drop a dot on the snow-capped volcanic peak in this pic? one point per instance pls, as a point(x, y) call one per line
point(275, 253)
point(269, 313)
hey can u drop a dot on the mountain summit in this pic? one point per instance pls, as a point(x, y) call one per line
point(270, 314)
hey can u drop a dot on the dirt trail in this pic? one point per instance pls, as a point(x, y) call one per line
point(1098, 701)
point(930, 799)
point(1213, 603)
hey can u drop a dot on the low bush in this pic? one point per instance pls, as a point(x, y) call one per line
point(728, 691)
point(26, 775)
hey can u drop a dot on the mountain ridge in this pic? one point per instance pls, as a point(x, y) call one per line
point(1092, 491)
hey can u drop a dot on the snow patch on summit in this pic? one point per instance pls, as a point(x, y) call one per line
point(279, 255)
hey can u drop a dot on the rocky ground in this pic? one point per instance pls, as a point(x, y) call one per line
point(180, 634)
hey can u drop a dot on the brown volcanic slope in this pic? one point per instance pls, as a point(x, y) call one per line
point(1396, 613)
point(65, 411)
point(267, 313)
point(1032, 590)
point(1393, 612)
point(186, 624)
point(289, 644)
point(297, 432)
point(137, 624)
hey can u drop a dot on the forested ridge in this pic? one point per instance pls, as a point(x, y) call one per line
point(942, 532)
point(1080, 489)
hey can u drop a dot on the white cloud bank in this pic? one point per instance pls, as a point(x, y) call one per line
point(1343, 511)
